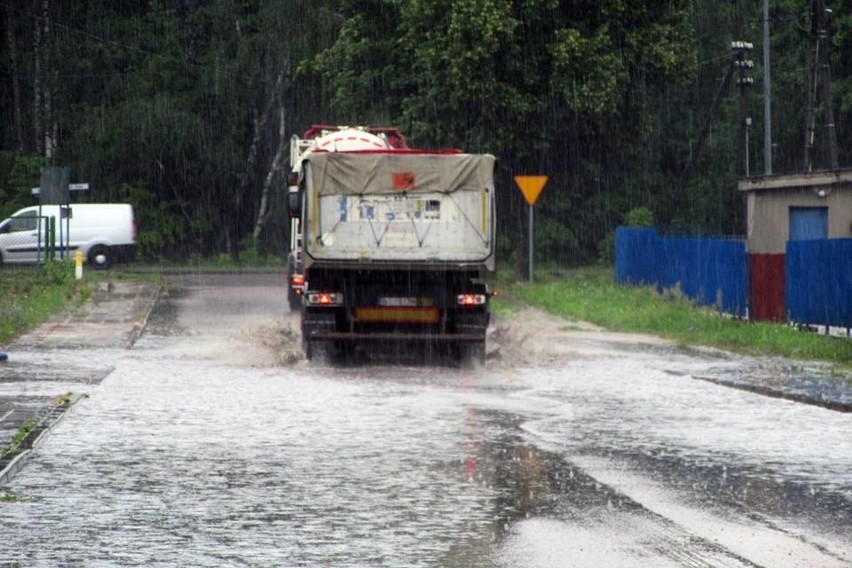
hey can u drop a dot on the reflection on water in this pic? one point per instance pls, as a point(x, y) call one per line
point(183, 462)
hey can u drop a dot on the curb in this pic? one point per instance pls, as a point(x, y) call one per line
point(834, 405)
point(14, 466)
point(35, 437)
point(139, 326)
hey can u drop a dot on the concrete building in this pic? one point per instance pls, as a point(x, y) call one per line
point(781, 208)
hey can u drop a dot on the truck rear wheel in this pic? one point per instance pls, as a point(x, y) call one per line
point(294, 300)
point(470, 353)
point(474, 325)
point(476, 352)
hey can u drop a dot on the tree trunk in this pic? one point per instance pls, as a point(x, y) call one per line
point(281, 154)
point(260, 125)
point(12, 46)
point(50, 127)
point(38, 79)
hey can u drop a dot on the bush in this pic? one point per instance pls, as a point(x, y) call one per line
point(639, 217)
point(636, 217)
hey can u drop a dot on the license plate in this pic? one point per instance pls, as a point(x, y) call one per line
point(398, 302)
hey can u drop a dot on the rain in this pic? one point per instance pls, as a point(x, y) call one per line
point(287, 374)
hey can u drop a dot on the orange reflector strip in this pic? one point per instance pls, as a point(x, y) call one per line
point(393, 314)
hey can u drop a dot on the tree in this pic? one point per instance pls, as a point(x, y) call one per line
point(186, 108)
point(541, 83)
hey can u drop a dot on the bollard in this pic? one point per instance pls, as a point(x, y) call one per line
point(78, 265)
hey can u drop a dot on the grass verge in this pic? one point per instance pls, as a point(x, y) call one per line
point(591, 294)
point(29, 296)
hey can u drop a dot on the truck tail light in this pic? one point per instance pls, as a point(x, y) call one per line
point(324, 299)
point(471, 299)
point(297, 281)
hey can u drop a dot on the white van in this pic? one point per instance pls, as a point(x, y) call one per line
point(105, 232)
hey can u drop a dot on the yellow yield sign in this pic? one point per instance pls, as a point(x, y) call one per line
point(531, 186)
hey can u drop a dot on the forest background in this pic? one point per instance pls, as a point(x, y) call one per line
point(185, 108)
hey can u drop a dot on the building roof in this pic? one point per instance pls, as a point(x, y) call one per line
point(809, 180)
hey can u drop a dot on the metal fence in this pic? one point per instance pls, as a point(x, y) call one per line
point(819, 282)
point(712, 272)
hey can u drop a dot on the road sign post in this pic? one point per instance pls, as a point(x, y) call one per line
point(531, 187)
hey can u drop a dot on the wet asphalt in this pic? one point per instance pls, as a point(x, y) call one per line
point(118, 311)
point(35, 389)
point(539, 491)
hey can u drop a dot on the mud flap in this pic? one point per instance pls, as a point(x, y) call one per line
point(472, 351)
point(317, 323)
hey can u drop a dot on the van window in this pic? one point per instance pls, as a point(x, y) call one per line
point(26, 221)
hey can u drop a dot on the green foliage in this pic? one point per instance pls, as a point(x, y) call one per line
point(177, 108)
point(57, 273)
point(19, 173)
point(636, 217)
point(9, 497)
point(28, 297)
point(251, 254)
point(19, 437)
point(639, 217)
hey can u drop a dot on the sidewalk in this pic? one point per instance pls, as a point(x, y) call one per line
point(49, 366)
point(113, 316)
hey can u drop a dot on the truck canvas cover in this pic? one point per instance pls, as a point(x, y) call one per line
point(400, 207)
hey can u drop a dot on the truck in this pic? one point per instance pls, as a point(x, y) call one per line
point(326, 138)
point(395, 245)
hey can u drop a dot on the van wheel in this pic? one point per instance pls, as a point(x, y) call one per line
point(100, 257)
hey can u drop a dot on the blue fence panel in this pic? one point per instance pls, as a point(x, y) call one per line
point(819, 282)
point(712, 272)
point(635, 250)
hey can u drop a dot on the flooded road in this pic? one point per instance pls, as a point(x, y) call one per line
point(212, 443)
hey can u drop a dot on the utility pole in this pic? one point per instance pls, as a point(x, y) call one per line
point(739, 49)
point(738, 63)
point(767, 95)
point(825, 76)
point(818, 64)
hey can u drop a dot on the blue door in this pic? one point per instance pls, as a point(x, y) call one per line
point(808, 223)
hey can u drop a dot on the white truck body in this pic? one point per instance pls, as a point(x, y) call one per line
point(399, 208)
